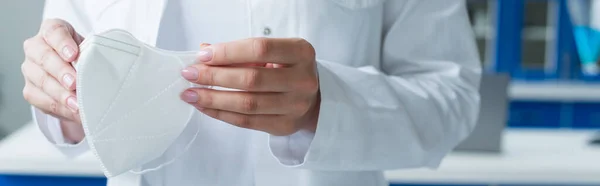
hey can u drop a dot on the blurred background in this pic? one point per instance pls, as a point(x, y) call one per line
point(19, 20)
point(537, 48)
point(539, 114)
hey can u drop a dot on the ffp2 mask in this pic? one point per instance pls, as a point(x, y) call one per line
point(128, 94)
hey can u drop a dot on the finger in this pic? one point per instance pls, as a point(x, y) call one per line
point(61, 36)
point(257, 50)
point(237, 101)
point(40, 53)
point(272, 124)
point(203, 45)
point(49, 85)
point(244, 78)
point(42, 101)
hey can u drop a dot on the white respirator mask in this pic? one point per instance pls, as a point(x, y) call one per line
point(129, 100)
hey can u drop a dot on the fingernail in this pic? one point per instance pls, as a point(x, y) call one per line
point(68, 52)
point(189, 96)
point(202, 45)
point(205, 54)
point(72, 103)
point(190, 73)
point(68, 80)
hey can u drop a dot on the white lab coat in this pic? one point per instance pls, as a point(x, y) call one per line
point(398, 81)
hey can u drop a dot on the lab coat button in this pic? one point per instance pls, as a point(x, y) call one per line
point(267, 31)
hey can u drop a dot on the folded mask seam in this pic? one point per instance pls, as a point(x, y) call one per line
point(127, 80)
point(118, 41)
point(162, 111)
point(185, 149)
point(84, 121)
point(99, 132)
point(115, 48)
point(135, 138)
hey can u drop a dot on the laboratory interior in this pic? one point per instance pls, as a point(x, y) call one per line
point(538, 125)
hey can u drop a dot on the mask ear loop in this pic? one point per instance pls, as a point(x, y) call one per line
point(185, 149)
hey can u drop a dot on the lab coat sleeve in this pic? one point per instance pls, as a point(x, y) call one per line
point(69, 11)
point(411, 112)
point(50, 127)
point(72, 11)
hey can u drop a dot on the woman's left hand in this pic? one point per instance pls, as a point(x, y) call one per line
point(277, 78)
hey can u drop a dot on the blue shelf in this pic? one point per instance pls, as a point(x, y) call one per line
point(554, 114)
point(534, 114)
point(28, 180)
point(586, 116)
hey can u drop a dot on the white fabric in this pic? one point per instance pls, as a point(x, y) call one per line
point(418, 104)
point(130, 114)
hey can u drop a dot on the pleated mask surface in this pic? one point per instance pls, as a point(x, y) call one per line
point(128, 94)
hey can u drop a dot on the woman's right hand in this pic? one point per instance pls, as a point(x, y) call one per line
point(49, 76)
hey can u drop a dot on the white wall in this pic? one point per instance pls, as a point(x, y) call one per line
point(18, 21)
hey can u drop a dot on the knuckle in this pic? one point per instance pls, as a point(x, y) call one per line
point(53, 25)
point(27, 93)
point(23, 67)
point(251, 79)
point(244, 122)
point(27, 44)
point(206, 98)
point(249, 104)
point(53, 107)
point(206, 75)
point(306, 47)
point(260, 47)
point(42, 81)
point(46, 54)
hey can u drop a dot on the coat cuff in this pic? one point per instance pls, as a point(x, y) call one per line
point(291, 150)
point(50, 127)
point(303, 149)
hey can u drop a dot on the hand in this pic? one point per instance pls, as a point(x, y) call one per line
point(278, 79)
point(49, 76)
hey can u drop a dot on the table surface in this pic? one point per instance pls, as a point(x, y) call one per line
point(529, 156)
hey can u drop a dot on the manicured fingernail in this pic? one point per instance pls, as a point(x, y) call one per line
point(205, 54)
point(202, 45)
point(68, 52)
point(190, 73)
point(72, 103)
point(189, 96)
point(68, 80)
